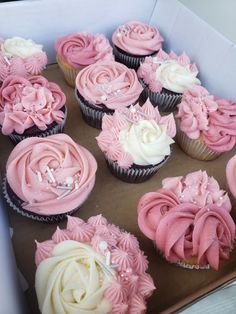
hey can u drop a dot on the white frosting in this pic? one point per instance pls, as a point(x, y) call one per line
point(147, 142)
point(20, 47)
point(176, 77)
point(73, 281)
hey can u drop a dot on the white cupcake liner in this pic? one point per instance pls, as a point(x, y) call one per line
point(134, 174)
point(129, 61)
point(18, 208)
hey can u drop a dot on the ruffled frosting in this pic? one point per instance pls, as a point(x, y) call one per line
point(109, 83)
point(137, 38)
point(205, 116)
point(19, 56)
point(25, 103)
point(51, 175)
point(169, 71)
point(231, 175)
point(99, 279)
point(82, 49)
point(173, 218)
point(138, 135)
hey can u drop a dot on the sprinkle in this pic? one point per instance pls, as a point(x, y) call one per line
point(50, 174)
point(39, 175)
point(61, 187)
point(118, 90)
point(103, 97)
point(69, 180)
point(132, 109)
point(103, 245)
point(7, 61)
point(76, 184)
point(108, 258)
point(63, 195)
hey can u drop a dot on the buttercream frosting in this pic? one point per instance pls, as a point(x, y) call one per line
point(30, 102)
point(51, 175)
point(231, 175)
point(137, 38)
point(138, 135)
point(82, 49)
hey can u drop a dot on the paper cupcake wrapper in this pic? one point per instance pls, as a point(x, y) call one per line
point(69, 72)
point(58, 128)
point(134, 174)
point(195, 148)
point(16, 205)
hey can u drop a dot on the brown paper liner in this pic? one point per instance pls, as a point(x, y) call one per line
point(69, 72)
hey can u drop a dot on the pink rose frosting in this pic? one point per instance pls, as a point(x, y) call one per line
point(109, 83)
point(30, 102)
point(150, 139)
point(231, 175)
point(189, 217)
point(137, 38)
point(51, 175)
point(212, 119)
point(82, 49)
point(119, 293)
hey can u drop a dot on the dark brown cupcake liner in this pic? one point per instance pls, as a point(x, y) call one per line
point(16, 203)
point(134, 174)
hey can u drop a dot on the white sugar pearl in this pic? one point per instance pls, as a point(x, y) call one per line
point(69, 180)
point(103, 97)
point(103, 245)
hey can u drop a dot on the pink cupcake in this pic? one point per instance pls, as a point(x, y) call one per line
point(136, 142)
point(135, 40)
point(166, 77)
point(19, 56)
point(206, 124)
point(78, 50)
point(105, 87)
point(31, 107)
point(91, 267)
point(189, 221)
point(48, 178)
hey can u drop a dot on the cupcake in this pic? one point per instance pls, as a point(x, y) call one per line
point(19, 56)
point(135, 40)
point(91, 267)
point(104, 87)
point(31, 107)
point(206, 125)
point(166, 77)
point(78, 50)
point(136, 142)
point(189, 220)
point(47, 178)
point(231, 175)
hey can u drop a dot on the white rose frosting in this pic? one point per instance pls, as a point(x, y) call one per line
point(20, 47)
point(176, 77)
point(146, 141)
point(73, 280)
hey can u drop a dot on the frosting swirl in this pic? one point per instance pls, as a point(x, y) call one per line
point(137, 38)
point(82, 49)
point(28, 102)
point(20, 47)
point(109, 83)
point(52, 175)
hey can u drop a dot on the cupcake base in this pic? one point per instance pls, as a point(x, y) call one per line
point(191, 264)
point(136, 173)
point(16, 203)
point(69, 72)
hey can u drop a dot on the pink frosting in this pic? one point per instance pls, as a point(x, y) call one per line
point(137, 38)
point(24, 67)
point(39, 168)
point(231, 175)
point(147, 69)
point(189, 217)
point(132, 285)
point(109, 83)
point(112, 125)
point(82, 49)
point(30, 102)
point(213, 119)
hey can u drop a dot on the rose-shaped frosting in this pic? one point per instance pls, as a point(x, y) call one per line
point(137, 38)
point(19, 56)
point(82, 49)
point(169, 71)
point(78, 276)
point(30, 102)
point(138, 135)
point(109, 83)
point(231, 175)
point(51, 175)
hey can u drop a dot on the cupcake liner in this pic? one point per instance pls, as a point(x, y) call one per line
point(16, 203)
point(58, 128)
point(135, 174)
point(69, 72)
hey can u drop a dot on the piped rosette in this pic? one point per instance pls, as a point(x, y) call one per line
point(79, 274)
point(189, 220)
point(47, 178)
